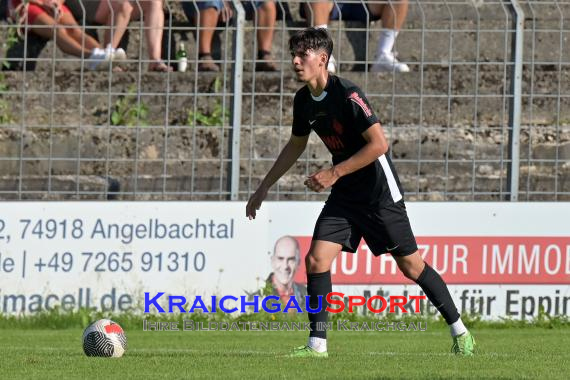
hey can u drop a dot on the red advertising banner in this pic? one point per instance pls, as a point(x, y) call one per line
point(461, 260)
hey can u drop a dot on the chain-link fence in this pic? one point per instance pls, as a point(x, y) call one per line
point(483, 110)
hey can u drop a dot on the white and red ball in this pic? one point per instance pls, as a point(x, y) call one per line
point(104, 338)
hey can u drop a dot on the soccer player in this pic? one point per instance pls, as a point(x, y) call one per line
point(366, 199)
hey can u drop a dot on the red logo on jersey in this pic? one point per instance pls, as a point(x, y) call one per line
point(333, 142)
point(361, 103)
point(337, 126)
point(113, 328)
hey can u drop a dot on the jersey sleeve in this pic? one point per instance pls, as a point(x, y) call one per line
point(301, 125)
point(360, 109)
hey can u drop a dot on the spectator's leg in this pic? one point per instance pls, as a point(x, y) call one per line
point(84, 12)
point(102, 16)
point(64, 40)
point(77, 33)
point(318, 13)
point(116, 14)
point(168, 41)
point(266, 15)
point(208, 19)
point(356, 35)
point(266, 23)
point(393, 17)
point(153, 16)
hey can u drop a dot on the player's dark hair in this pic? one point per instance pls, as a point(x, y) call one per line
point(311, 39)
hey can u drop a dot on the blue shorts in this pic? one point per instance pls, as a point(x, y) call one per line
point(190, 7)
point(349, 12)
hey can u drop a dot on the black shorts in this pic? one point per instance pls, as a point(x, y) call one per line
point(386, 229)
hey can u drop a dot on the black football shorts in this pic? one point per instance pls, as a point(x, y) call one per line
point(386, 229)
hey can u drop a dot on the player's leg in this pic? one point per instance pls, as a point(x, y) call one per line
point(388, 229)
point(318, 263)
point(417, 270)
point(333, 233)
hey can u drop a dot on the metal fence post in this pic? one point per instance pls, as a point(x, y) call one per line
point(237, 85)
point(515, 104)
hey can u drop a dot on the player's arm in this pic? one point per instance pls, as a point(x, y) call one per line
point(376, 145)
point(290, 153)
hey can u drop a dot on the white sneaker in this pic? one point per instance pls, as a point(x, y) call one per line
point(117, 54)
point(98, 57)
point(387, 62)
point(331, 67)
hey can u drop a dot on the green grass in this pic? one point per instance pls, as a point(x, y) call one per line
point(510, 353)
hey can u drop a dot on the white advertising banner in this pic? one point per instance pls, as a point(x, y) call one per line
point(499, 259)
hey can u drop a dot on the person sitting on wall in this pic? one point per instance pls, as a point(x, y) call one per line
point(392, 13)
point(207, 14)
point(118, 13)
point(51, 19)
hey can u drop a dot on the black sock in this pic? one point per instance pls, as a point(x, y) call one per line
point(436, 291)
point(318, 284)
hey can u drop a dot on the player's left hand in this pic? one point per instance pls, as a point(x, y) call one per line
point(322, 180)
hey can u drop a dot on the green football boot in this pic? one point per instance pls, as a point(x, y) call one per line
point(463, 344)
point(307, 352)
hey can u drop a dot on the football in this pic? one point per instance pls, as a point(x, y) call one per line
point(104, 338)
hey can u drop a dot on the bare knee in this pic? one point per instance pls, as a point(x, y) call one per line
point(63, 32)
point(412, 269)
point(76, 33)
point(268, 7)
point(315, 264)
point(311, 263)
point(124, 7)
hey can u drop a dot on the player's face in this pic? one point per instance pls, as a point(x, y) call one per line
point(308, 64)
point(284, 262)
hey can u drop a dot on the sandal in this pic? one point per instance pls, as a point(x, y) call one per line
point(266, 63)
point(160, 67)
point(207, 63)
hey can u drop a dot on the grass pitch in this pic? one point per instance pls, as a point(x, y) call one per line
point(509, 353)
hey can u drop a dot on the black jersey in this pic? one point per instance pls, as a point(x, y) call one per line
point(339, 116)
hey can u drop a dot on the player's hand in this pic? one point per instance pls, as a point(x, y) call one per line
point(322, 180)
point(254, 202)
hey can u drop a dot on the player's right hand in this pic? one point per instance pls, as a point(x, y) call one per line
point(254, 202)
